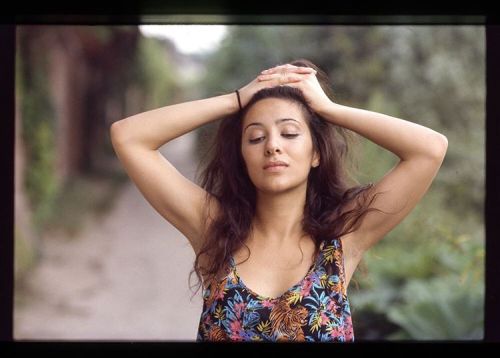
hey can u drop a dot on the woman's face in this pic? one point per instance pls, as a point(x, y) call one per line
point(275, 130)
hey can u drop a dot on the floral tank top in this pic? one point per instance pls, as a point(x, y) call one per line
point(314, 310)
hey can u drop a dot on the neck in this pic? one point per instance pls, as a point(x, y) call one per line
point(279, 217)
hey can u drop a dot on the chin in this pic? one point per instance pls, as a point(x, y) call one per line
point(278, 188)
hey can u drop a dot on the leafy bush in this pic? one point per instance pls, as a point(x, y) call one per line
point(444, 308)
point(430, 288)
point(38, 118)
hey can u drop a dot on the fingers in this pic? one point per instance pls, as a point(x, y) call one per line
point(289, 69)
point(285, 74)
point(278, 79)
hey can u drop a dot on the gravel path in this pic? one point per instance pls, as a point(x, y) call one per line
point(123, 278)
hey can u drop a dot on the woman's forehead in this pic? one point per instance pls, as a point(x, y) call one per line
point(274, 111)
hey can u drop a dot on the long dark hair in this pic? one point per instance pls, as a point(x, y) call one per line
point(328, 189)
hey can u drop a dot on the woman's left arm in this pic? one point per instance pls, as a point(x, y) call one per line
point(421, 152)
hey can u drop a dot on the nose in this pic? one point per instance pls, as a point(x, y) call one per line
point(273, 150)
point(272, 146)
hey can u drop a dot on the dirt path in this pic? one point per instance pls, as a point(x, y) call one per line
point(122, 278)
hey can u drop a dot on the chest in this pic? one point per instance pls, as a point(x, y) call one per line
point(269, 273)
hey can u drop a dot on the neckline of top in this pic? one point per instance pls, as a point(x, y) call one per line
point(268, 298)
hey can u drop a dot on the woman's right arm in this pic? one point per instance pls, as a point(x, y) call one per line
point(136, 140)
point(152, 129)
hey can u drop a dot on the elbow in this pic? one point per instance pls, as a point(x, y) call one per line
point(439, 147)
point(116, 133)
point(114, 128)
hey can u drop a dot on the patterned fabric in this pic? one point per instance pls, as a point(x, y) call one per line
point(314, 310)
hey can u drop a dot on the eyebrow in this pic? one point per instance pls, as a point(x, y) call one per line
point(276, 121)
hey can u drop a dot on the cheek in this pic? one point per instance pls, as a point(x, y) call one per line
point(303, 152)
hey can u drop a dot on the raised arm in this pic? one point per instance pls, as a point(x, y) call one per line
point(136, 140)
point(421, 152)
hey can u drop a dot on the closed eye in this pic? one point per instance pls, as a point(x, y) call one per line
point(256, 140)
point(286, 135)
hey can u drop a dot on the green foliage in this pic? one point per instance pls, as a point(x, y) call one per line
point(437, 77)
point(40, 179)
point(38, 135)
point(372, 162)
point(155, 75)
point(425, 249)
point(444, 308)
point(38, 115)
point(249, 49)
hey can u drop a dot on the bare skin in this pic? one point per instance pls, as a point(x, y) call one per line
point(281, 196)
point(420, 150)
point(276, 262)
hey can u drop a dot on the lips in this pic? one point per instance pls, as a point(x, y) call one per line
point(275, 164)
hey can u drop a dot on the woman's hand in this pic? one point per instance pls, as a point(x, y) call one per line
point(290, 75)
point(303, 78)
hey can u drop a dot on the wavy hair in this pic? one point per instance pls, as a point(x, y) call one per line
point(226, 180)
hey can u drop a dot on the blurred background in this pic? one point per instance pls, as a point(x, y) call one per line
point(93, 261)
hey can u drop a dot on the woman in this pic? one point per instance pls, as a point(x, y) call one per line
point(276, 229)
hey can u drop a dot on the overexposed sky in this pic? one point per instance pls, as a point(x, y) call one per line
point(188, 39)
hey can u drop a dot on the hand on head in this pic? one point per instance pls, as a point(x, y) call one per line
point(303, 78)
point(285, 74)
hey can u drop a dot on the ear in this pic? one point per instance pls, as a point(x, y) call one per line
point(316, 160)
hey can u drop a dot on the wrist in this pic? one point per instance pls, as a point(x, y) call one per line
point(327, 109)
point(240, 107)
point(231, 103)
